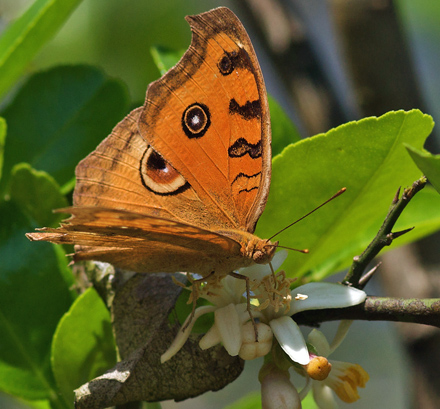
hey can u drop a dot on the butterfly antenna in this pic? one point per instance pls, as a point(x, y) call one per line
point(308, 214)
point(291, 248)
point(287, 248)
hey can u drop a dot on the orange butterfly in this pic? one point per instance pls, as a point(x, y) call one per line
point(180, 183)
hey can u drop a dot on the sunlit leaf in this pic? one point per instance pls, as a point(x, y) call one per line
point(25, 36)
point(369, 159)
point(428, 163)
point(83, 346)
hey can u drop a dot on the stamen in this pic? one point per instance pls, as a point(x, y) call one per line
point(274, 290)
point(346, 379)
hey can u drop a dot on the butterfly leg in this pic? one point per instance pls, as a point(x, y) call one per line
point(195, 284)
point(274, 279)
point(248, 299)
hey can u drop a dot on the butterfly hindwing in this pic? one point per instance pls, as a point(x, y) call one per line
point(141, 243)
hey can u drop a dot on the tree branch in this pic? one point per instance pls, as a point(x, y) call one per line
point(420, 311)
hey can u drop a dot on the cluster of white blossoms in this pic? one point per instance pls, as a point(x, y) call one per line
point(273, 304)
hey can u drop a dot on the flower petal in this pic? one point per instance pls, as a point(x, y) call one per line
point(323, 396)
point(228, 324)
point(345, 378)
point(243, 313)
point(326, 295)
point(183, 335)
point(319, 341)
point(258, 271)
point(230, 291)
point(211, 338)
point(342, 331)
point(290, 338)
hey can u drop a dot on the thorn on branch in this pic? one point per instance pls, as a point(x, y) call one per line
point(397, 234)
point(363, 281)
point(384, 236)
point(396, 196)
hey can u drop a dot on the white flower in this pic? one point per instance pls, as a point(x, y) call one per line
point(276, 304)
point(343, 379)
point(311, 296)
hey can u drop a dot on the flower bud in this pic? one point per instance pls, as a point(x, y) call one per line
point(250, 349)
point(277, 392)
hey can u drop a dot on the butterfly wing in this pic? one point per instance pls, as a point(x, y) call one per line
point(122, 173)
point(209, 117)
point(143, 243)
point(191, 168)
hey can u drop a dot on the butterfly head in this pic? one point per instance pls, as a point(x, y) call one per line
point(264, 251)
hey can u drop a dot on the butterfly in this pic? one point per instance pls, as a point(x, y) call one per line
point(181, 182)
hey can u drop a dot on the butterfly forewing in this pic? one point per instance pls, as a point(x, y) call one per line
point(209, 117)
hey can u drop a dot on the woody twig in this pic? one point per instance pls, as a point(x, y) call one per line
point(384, 236)
point(422, 311)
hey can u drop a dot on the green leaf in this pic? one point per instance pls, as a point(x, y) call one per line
point(151, 405)
point(25, 404)
point(283, 129)
point(59, 116)
point(367, 157)
point(309, 402)
point(33, 297)
point(2, 143)
point(423, 213)
point(165, 58)
point(428, 163)
point(24, 38)
point(37, 194)
point(83, 346)
point(34, 293)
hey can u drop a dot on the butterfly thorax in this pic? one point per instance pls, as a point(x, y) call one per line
point(260, 251)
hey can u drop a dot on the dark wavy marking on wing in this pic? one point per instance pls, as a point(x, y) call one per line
point(241, 147)
point(241, 175)
point(250, 110)
point(248, 190)
point(239, 179)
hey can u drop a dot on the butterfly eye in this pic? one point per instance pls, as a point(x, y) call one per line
point(196, 120)
point(159, 176)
